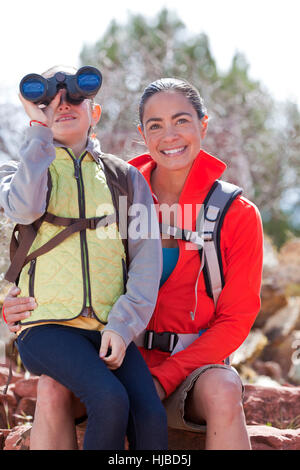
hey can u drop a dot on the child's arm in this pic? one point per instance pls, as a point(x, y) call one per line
point(131, 313)
point(23, 184)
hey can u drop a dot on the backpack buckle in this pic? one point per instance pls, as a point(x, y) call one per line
point(207, 236)
point(165, 341)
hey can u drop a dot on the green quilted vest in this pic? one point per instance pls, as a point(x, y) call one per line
point(87, 268)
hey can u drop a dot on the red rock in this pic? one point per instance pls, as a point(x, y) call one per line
point(270, 438)
point(4, 372)
point(18, 438)
point(185, 440)
point(27, 387)
point(8, 404)
point(25, 408)
point(279, 406)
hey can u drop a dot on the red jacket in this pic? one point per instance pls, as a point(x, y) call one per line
point(239, 301)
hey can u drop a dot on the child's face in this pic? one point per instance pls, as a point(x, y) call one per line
point(72, 122)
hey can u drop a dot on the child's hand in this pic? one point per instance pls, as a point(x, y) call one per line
point(44, 115)
point(16, 308)
point(118, 348)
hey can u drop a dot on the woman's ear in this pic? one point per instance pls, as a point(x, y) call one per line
point(141, 132)
point(96, 113)
point(204, 122)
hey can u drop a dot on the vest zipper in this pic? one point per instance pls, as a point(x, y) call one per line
point(31, 272)
point(83, 243)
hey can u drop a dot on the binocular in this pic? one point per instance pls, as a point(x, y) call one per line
point(84, 84)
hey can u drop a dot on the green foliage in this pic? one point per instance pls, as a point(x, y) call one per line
point(257, 137)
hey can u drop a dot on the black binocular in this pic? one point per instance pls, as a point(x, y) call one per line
point(84, 84)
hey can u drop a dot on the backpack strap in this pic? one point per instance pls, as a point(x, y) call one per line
point(207, 234)
point(216, 206)
point(21, 240)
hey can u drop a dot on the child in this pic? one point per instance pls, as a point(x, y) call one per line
point(88, 306)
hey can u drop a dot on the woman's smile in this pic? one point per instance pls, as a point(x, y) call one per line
point(178, 151)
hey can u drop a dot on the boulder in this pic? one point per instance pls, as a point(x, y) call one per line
point(277, 406)
point(283, 353)
point(8, 404)
point(289, 261)
point(251, 348)
point(273, 298)
point(26, 387)
point(18, 438)
point(283, 322)
point(270, 438)
point(25, 410)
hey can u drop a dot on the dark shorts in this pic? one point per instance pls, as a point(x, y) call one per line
point(175, 403)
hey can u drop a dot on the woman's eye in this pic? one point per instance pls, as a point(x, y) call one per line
point(181, 121)
point(153, 127)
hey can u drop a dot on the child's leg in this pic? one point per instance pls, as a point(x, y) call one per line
point(71, 356)
point(147, 429)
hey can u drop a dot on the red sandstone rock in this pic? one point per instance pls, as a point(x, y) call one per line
point(26, 387)
point(270, 438)
point(18, 438)
point(8, 403)
point(4, 371)
point(279, 406)
point(25, 409)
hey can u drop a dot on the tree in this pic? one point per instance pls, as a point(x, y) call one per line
point(257, 137)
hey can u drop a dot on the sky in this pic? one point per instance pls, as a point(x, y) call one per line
point(35, 35)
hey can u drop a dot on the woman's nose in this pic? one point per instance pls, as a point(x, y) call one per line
point(170, 133)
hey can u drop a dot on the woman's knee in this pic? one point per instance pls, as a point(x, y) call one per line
point(220, 392)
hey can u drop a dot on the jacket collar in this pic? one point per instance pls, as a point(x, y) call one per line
point(92, 146)
point(205, 170)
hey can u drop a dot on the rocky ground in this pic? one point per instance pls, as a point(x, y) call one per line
point(268, 362)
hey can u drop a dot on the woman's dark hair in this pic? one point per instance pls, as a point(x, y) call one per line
point(173, 84)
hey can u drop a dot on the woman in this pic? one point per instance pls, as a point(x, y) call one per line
point(195, 383)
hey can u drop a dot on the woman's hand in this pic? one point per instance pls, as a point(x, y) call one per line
point(117, 346)
point(160, 391)
point(44, 115)
point(17, 308)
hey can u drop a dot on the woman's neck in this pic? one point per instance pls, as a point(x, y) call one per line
point(167, 185)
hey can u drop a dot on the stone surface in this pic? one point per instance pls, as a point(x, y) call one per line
point(279, 407)
point(18, 438)
point(26, 387)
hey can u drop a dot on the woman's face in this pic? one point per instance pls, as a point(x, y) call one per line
point(172, 130)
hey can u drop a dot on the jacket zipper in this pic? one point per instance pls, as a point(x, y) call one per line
point(83, 242)
point(31, 273)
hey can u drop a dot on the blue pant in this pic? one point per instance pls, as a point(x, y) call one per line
point(119, 402)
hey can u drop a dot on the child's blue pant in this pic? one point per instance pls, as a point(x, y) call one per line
point(118, 403)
